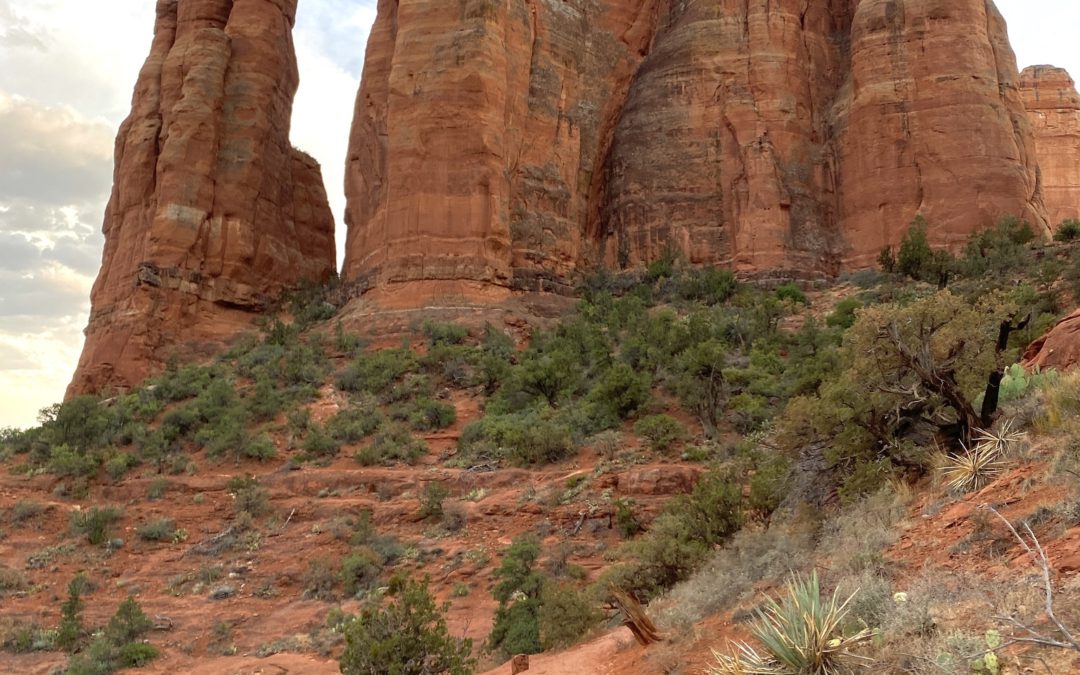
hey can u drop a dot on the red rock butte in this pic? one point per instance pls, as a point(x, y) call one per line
point(512, 144)
point(212, 213)
point(501, 150)
point(1054, 109)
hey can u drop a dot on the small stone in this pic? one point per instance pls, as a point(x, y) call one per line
point(222, 592)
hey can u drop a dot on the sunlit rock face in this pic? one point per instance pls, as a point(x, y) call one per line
point(213, 213)
point(501, 146)
point(1054, 110)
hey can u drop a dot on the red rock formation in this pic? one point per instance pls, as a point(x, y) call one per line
point(508, 145)
point(1058, 349)
point(936, 126)
point(212, 211)
point(1054, 110)
point(479, 137)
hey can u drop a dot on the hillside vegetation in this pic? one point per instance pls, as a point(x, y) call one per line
point(681, 436)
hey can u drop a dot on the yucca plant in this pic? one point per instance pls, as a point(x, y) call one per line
point(800, 635)
point(973, 469)
point(1001, 440)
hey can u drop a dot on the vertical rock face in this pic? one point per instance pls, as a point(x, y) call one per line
point(935, 125)
point(507, 145)
point(213, 213)
point(1054, 110)
point(479, 137)
point(724, 149)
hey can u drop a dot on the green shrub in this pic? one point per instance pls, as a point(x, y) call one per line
point(998, 249)
point(886, 260)
point(360, 570)
point(790, 292)
point(129, 623)
point(157, 489)
point(405, 636)
point(319, 443)
point(82, 423)
point(522, 439)
point(24, 511)
point(429, 415)
point(67, 461)
point(119, 645)
point(625, 519)
point(916, 256)
point(516, 629)
point(438, 333)
point(119, 464)
point(393, 443)
point(681, 538)
point(1068, 230)
point(137, 654)
point(708, 285)
point(700, 382)
point(309, 303)
point(354, 424)
point(431, 502)
point(619, 393)
point(260, 448)
point(95, 523)
point(553, 376)
point(321, 580)
point(566, 616)
point(28, 638)
point(769, 484)
point(662, 431)
point(374, 372)
point(865, 414)
point(70, 632)
point(249, 497)
point(664, 266)
point(843, 315)
point(162, 529)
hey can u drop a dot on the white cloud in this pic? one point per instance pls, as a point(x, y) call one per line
point(322, 112)
point(1044, 32)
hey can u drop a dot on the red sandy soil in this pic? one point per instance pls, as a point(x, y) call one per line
point(269, 577)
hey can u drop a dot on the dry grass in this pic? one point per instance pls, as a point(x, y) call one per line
point(752, 555)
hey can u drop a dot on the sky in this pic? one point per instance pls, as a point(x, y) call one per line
point(67, 69)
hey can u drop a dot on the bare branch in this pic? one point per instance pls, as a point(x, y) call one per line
point(1039, 557)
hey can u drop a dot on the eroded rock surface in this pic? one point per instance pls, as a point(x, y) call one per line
point(501, 146)
point(1059, 348)
point(213, 213)
point(1054, 110)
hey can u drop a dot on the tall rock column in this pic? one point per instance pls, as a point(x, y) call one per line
point(935, 126)
point(722, 151)
point(213, 213)
point(1053, 107)
point(478, 142)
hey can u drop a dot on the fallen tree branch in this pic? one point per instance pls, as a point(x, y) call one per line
point(1038, 556)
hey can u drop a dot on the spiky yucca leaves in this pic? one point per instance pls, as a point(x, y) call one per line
point(800, 635)
point(973, 469)
point(1002, 440)
point(976, 467)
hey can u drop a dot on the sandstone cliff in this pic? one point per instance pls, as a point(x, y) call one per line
point(1054, 110)
point(507, 145)
point(212, 211)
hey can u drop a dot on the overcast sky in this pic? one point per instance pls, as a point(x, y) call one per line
point(67, 68)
